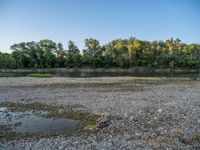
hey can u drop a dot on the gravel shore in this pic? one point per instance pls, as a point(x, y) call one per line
point(155, 113)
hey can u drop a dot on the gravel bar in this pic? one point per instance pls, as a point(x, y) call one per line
point(155, 113)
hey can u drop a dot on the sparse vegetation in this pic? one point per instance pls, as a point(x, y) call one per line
point(40, 75)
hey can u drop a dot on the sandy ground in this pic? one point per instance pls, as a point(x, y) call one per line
point(156, 113)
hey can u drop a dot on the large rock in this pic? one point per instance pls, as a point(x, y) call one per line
point(104, 120)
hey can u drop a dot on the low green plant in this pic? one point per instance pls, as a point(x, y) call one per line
point(40, 75)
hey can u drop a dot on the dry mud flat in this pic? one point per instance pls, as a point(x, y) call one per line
point(153, 113)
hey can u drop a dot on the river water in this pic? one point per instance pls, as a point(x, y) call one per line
point(84, 74)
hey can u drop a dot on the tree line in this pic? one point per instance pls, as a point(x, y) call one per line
point(122, 53)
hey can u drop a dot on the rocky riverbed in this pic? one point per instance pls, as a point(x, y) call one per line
point(151, 113)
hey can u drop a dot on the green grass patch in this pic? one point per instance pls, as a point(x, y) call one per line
point(40, 75)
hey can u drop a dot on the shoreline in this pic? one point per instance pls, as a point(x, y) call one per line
point(129, 70)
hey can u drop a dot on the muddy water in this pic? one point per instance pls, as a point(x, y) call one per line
point(36, 122)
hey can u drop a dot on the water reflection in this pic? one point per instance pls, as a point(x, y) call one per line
point(36, 122)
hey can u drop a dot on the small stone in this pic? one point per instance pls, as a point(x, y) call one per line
point(125, 115)
point(104, 120)
point(160, 110)
point(106, 115)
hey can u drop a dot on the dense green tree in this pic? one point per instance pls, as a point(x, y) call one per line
point(121, 55)
point(7, 61)
point(48, 47)
point(60, 55)
point(73, 55)
point(91, 53)
point(108, 56)
point(20, 53)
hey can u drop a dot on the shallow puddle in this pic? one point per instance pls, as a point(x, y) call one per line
point(36, 122)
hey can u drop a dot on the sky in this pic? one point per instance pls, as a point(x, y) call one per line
point(105, 20)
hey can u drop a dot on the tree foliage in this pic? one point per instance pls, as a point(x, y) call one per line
point(73, 56)
point(123, 53)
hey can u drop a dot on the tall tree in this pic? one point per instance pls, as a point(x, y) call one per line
point(60, 55)
point(48, 47)
point(73, 55)
point(20, 54)
point(91, 53)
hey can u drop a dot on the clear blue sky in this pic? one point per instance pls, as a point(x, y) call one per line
point(105, 20)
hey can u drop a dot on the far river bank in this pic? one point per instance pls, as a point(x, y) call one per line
point(133, 70)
